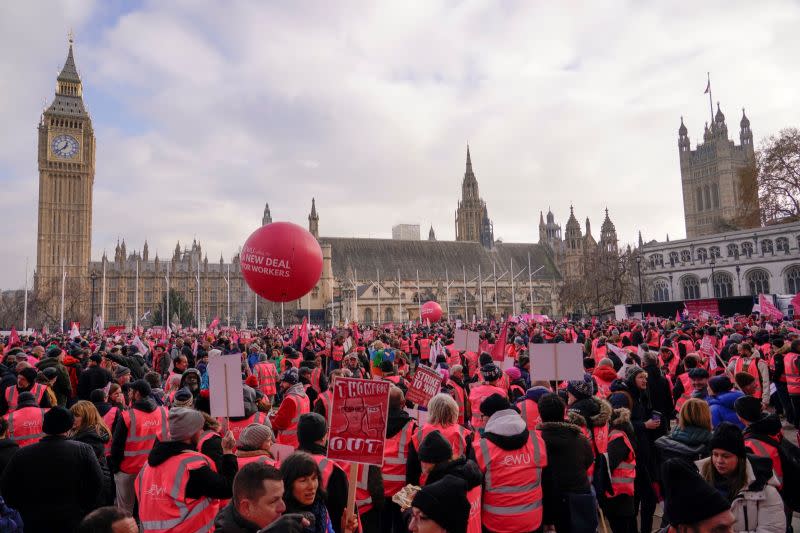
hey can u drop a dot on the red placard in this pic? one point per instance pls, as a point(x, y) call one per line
point(358, 420)
point(427, 383)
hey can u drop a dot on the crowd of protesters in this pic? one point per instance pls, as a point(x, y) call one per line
point(111, 432)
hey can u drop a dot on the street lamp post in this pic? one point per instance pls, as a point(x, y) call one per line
point(738, 280)
point(671, 291)
point(93, 277)
point(639, 271)
point(713, 287)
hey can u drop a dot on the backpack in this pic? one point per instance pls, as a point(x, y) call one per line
point(789, 455)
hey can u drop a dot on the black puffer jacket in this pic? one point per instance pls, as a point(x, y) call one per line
point(98, 443)
point(229, 520)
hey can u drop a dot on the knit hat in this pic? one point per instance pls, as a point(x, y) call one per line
point(513, 373)
point(632, 371)
point(581, 388)
point(484, 358)
point(619, 400)
point(311, 428)
point(121, 371)
point(254, 435)
point(728, 437)
point(142, 387)
point(552, 408)
point(494, 403)
point(534, 393)
point(698, 373)
point(435, 449)
point(445, 502)
point(747, 407)
point(29, 374)
point(688, 498)
point(57, 421)
point(96, 357)
point(183, 423)
point(291, 376)
point(183, 398)
point(491, 372)
point(720, 384)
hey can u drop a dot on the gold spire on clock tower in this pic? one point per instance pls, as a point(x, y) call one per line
point(66, 157)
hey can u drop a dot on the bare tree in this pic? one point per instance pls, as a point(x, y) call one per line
point(778, 168)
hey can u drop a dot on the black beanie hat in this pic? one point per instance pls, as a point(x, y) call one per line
point(494, 403)
point(749, 408)
point(445, 502)
point(485, 358)
point(720, 384)
point(142, 387)
point(57, 421)
point(310, 428)
point(728, 437)
point(552, 408)
point(688, 498)
point(435, 449)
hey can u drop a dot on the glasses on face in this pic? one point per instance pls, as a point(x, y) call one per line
point(348, 409)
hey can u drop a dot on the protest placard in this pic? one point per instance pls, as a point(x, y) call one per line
point(473, 341)
point(358, 418)
point(460, 340)
point(556, 361)
point(426, 384)
point(225, 390)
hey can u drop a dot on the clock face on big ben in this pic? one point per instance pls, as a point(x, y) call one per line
point(64, 146)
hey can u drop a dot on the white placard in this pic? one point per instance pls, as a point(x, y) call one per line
point(225, 390)
point(556, 361)
point(473, 341)
point(460, 340)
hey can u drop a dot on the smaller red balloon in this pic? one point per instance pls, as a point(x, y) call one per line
point(281, 261)
point(432, 311)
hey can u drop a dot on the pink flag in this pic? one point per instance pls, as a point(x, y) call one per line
point(499, 348)
point(295, 334)
point(214, 324)
point(13, 338)
point(356, 333)
point(768, 309)
point(304, 333)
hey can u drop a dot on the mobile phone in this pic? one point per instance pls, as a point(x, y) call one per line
point(656, 416)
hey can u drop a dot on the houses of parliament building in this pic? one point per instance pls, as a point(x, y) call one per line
point(364, 280)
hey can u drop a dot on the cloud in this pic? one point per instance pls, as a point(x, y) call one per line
point(204, 111)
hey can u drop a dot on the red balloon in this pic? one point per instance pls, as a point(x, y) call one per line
point(431, 310)
point(281, 261)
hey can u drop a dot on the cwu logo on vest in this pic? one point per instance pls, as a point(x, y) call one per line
point(150, 423)
point(155, 491)
point(518, 459)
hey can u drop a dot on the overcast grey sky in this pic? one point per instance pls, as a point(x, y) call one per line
point(204, 111)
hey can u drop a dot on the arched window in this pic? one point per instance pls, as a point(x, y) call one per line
point(715, 194)
point(747, 248)
point(686, 256)
point(656, 260)
point(673, 258)
point(389, 315)
point(661, 290)
point(793, 280)
point(714, 252)
point(707, 195)
point(733, 250)
point(368, 316)
point(766, 247)
point(691, 287)
point(723, 285)
point(702, 254)
point(758, 281)
point(782, 245)
point(698, 195)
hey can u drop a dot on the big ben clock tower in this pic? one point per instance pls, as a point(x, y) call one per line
point(66, 177)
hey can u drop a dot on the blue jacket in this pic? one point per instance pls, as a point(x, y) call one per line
point(722, 408)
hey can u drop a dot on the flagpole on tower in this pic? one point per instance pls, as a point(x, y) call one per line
point(710, 101)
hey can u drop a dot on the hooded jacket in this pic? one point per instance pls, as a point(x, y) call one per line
point(569, 455)
point(690, 444)
point(620, 505)
point(769, 426)
point(507, 430)
point(98, 442)
point(722, 409)
point(759, 506)
point(202, 482)
point(62, 387)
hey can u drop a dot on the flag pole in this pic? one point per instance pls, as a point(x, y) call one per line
point(399, 297)
point(530, 281)
point(198, 294)
point(166, 278)
point(378, 274)
point(466, 310)
point(228, 286)
point(710, 101)
point(446, 291)
point(513, 296)
point(136, 298)
point(419, 299)
point(25, 308)
point(103, 297)
point(63, 283)
point(480, 289)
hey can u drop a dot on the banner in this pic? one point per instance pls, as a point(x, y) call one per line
point(427, 384)
point(695, 307)
point(358, 419)
point(768, 309)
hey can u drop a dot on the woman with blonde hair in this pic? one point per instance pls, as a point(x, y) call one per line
point(689, 440)
point(442, 417)
point(90, 429)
